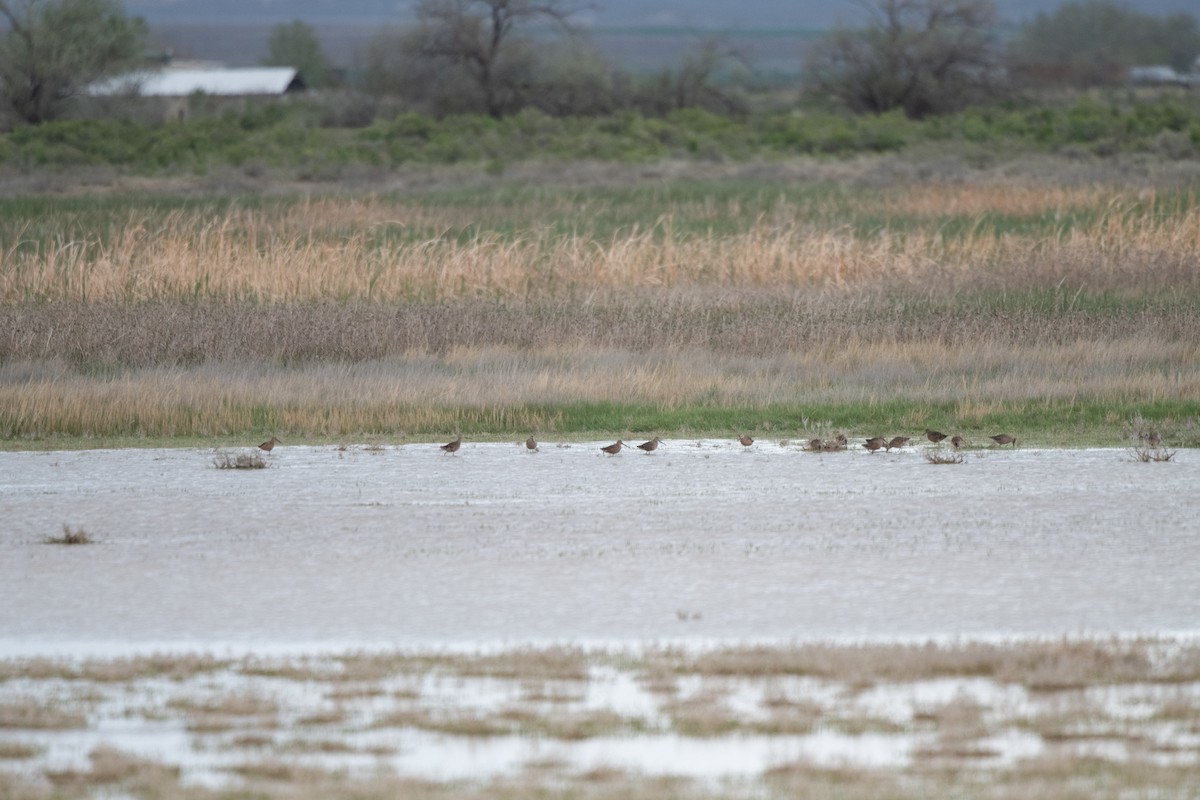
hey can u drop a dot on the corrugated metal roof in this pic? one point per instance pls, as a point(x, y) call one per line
point(182, 82)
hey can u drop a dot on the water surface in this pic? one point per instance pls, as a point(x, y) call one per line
point(408, 547)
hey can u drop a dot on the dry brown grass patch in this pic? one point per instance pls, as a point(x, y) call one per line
point(37, 714)
point(703, 714)
point(266, 256)
point(117, 670)
point(18, 750)
point(110, 766)
point(1009, 199)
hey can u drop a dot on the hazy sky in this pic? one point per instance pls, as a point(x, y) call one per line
point(721, 14)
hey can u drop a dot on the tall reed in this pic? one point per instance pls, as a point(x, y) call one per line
point(345, 249)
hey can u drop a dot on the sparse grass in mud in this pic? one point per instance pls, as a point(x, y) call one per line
point(1067, 696)
point(31, 713)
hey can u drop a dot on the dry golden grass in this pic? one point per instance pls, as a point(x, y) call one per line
point(1041, 666)
point(173, 667)
point(378, 314)
point(339, 248)
point(1015, 199)
point(18, 750)
point(501, 389)
point(237, 705)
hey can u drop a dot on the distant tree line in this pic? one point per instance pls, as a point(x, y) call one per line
point(922, 57)
point(499, 57)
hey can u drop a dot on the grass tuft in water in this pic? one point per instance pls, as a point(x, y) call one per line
point(70, 536)
point(944, 457)
point(225, 460)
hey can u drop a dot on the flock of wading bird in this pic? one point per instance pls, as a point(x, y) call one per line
point(839, 442)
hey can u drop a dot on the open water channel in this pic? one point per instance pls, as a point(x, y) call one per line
point(405, 546)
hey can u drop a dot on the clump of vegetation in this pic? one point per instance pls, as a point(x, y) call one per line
point(226, 460)
point(940, 456)
point(1147, 440)
point(1145, 454)
point(70, 536)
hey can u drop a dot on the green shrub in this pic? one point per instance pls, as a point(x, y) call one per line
point(297, 135)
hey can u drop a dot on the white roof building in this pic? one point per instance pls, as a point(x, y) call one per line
point(222, 81)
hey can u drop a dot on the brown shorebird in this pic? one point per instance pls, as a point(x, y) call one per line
point(452, 447)
point(531, 443)
point(613, 448)
point(815, 444)
point(269, 444)
point(957, 441)
point(897, 441)
point(745, 440)
point(651, 445)
point(1004, 438)
point(934, 436)
point(874, 443)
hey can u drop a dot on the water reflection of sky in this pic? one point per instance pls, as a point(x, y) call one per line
point(701, 541)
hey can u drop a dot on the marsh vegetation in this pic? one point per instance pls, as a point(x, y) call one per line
point(971, 300)
point(907, 720)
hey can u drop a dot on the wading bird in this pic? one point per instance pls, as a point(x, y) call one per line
point(957, 441)
point(269, 444)
point(531, 443)
point(874, 443)
point(745, 440)
point(934, 436)
point(897, 441)
point(452, 447)
point(651, 445)
point(613, 448)
point(1004, 438)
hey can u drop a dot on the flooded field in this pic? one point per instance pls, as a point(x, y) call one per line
point(347, 619)
point(703, 540)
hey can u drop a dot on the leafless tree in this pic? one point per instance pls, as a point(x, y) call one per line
point(480, 38)
point(696, 82)
point(922, 56)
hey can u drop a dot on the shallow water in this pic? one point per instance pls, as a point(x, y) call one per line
point(703, 541)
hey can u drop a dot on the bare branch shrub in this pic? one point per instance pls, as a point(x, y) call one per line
point(70, 536)
point(921, 56)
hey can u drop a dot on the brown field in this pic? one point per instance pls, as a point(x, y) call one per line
point(375, 249)
point(353, 315)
